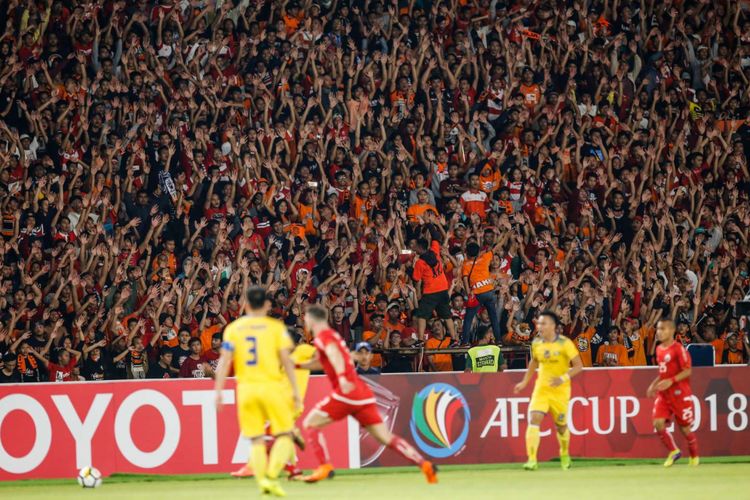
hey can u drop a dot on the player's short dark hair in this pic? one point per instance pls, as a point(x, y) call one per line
point(317, 312)
point(194, 340)
point(472, 249)
point(256, 297)
point(551, 315)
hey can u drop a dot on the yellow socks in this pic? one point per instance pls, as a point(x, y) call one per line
point(281, 453)
point(532, 441)
point(259, 459)
point(564, 440)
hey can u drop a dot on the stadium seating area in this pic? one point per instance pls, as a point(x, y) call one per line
point(157, 157)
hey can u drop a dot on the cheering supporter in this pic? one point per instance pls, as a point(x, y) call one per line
point(400, 163)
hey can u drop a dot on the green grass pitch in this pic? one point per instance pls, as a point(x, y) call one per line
point(718, 478)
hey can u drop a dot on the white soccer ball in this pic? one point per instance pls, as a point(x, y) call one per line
point(90, 477)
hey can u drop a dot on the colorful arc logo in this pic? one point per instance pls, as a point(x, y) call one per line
point(436, 420)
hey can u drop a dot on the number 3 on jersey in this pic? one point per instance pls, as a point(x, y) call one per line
point(252, 350)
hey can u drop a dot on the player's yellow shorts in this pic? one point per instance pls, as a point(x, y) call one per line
point(261, 403)
point(553, 401)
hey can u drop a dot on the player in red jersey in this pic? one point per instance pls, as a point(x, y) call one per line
point(350, 397)
point(673, 394)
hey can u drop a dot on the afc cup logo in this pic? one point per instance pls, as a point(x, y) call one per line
point(440, 419)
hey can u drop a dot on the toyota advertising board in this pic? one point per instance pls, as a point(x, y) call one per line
point(171, 427)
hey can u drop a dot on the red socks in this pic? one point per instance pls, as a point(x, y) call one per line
point(406, 450)
point(692, 444)
point(667, 439)
point(317, 442)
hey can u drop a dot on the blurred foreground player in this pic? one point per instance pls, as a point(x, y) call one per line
point(350, 396)
point(673, 393)
point(301, 354)
point(260, 348)
point(553, 354)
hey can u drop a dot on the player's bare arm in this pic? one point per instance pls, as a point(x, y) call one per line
point(313, 365)
point(288, 364)
point(222, 371)
point(651, 391)
point(530, 371)
point(339, 366)
point(575, 369)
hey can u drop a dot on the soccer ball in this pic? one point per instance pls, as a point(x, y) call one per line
point(89, 477)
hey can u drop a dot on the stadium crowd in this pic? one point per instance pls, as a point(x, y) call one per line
point(434, 173)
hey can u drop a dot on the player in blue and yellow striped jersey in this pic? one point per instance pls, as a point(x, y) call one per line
point(558, 361)
point(267, 390)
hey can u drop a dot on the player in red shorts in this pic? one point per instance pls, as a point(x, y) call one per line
point(673, 394)
point(350, 396)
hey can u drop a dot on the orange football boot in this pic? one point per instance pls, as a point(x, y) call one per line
point(430, 471)
point(324, 471)
point(243, 471)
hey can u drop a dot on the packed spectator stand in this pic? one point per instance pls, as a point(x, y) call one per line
point(435, 173)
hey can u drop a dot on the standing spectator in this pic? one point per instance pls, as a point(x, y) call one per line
point(376, 337)
point(342, 323)
point(163, 368)
point(8, 373)
point(181, 351)
point(485, 357)
point(94, 367)
point(211, 357)
point(437, 341)
point(62, 371)
point(194, 366)
point(27, 360)
point(434, 290)
point(735, 352)
point(135, 359)
point(396, 361)
point(477, 279)
point(612, 353)
point(709, 337)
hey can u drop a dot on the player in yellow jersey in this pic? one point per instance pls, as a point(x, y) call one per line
point(260, 349)
point(558, 361)
point(303, 353)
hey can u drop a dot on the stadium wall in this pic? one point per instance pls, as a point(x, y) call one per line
point(171, 427)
